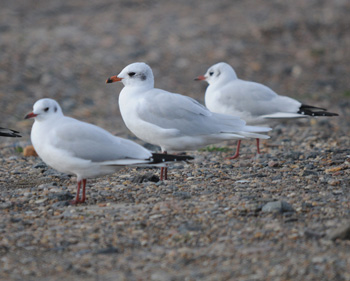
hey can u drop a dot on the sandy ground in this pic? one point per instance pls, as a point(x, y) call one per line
point(213, 225)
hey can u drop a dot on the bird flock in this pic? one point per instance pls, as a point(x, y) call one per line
point(234, 109)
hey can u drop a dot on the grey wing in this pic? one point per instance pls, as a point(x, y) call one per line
point(256, 98)
point(89, 142)
point(189, 117)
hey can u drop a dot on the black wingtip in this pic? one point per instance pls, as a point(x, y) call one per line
point(161, 158)
point(9, 133)
point(310, 110)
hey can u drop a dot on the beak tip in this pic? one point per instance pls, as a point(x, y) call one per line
point(113, 79)
point(30, 115)
point(199, 78)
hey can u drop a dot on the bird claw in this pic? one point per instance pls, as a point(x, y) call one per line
point(233, 157)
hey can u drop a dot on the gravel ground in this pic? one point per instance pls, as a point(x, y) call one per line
point(284, 215)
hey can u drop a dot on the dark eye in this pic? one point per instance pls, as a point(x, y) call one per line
point(131, 74)
point(211, 73)
point(46, 109)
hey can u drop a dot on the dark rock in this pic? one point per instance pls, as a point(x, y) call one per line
point(145, 178)
point(313, 234)
point(309, 172)
point(60, 204)
point(40, 165)
point(14, 220)
point(62, 196)
point(108, 251)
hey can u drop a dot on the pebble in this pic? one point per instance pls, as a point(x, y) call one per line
point(277, 206)
point(342, 232)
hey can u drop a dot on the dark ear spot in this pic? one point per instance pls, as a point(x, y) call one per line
point(218, 73)
point(143, 77)
point(55, 109)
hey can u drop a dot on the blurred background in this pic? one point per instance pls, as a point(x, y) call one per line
point(67, 49)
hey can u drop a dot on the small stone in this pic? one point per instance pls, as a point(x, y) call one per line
point(40, 201)
point(182, 194)
point(334, 169)
point(60, 204)
point(334, 182)
point(277, 206)
point(5, 205)
point(342, 233)
point(273, 164)
point(242, 181)
point(69, 213)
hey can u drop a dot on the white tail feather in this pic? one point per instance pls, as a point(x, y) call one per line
point(254, 135)
point(282, 115)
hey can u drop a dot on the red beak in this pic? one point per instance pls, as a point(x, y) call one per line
point(30, 115)
point(200, 78)
point(114, 78)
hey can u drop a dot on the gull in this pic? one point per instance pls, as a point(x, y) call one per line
point(82, 149)
point(173, 121)
point(4, 132)
point(253, 102)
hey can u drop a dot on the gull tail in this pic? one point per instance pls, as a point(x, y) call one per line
point(257, 129)
point(315, 111)
point(9, 133)
point(254, 135)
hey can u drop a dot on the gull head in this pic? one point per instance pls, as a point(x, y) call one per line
point(135, 74)
point(218, 73)
point(45, 109)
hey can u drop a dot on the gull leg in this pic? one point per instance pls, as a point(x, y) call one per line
point(161, 173)
point(84, 185)
point(237, 151)
point(257, 145)
point(164, 171)
point(77, 200)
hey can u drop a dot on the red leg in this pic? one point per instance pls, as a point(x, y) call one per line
point(77, 200)
point(161, 173)
point(237, 151)
point(84, 185)
point(164, 171)
point(257, 145)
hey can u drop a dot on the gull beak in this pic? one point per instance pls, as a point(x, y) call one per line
point(114, 78)
point(200, 78)
point(30, 115)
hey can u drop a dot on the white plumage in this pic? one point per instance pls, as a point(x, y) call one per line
point(253, 102)
point(82, 149)
point(172, 121)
